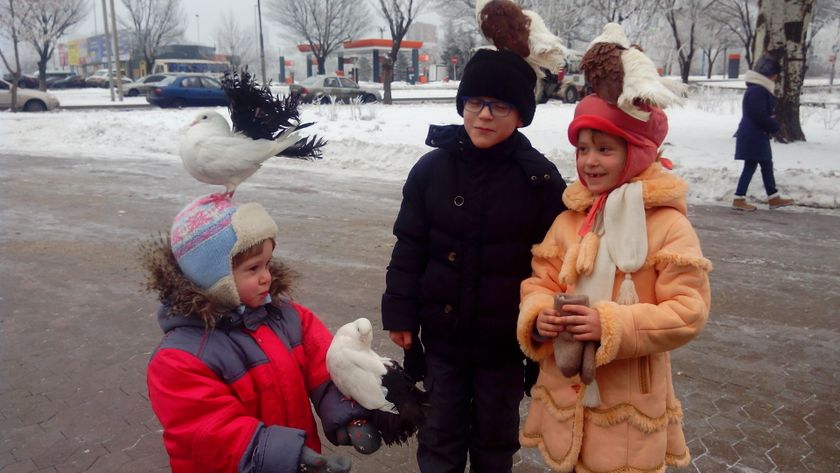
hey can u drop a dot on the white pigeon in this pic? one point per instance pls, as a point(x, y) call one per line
point(377, 383)
point(356, 369)
point(212, 153)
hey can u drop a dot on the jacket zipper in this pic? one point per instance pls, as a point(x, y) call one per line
point(644, 374)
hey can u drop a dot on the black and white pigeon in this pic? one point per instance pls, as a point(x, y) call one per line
point(263, 126)
point(377, 383)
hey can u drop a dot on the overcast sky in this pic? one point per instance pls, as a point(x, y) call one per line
point(210, 14)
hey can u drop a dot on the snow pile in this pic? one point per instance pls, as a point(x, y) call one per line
point(379, 141)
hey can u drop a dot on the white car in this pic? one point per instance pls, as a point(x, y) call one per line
point(28, 100)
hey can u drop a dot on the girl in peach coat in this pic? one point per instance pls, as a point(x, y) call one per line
point(626, 243)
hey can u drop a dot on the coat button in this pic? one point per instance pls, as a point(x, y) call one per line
point(447, 309)
point(547, 177)
point(533, 178)
point(452, 255)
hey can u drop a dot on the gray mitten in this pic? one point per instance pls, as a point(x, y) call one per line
point(313, 462)
point(568, 352)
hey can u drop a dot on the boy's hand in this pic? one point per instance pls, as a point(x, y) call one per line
point(549, 323)
point(585, 325)
point(401, 337)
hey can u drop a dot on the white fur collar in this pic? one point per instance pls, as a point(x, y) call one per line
point(753, 77)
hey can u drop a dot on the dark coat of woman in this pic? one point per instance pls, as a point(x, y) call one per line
point(757, 124)
point(465, 229)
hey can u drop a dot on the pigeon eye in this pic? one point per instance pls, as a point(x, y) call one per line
point(204, 117)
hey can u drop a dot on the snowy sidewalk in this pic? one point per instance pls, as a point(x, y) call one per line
point(759, 386)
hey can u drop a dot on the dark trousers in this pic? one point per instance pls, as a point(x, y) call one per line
point(766, 176)
point(473, 411)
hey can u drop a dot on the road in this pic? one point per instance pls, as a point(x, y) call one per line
point(759, 386)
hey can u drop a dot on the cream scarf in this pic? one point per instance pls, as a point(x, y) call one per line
point(752, 77)
point(623, 245)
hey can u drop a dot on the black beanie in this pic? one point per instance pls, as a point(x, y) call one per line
point(502, 75)
point(767, 66)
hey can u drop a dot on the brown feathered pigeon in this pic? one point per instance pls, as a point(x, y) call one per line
point(622, 74)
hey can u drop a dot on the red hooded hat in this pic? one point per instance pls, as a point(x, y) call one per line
point(643, 137)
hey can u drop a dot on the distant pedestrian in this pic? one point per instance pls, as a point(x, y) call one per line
point(240, 366)
point(758, 124)
point(627, 245)
point(471, 210)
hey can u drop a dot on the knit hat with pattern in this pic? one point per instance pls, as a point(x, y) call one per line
point(208, 233)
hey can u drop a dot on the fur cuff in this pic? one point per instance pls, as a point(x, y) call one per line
point(610, 332)
point(528, 311)
point(668, 257)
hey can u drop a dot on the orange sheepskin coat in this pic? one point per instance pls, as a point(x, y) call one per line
point(638, 425)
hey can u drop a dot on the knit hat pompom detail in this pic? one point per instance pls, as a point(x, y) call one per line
point(208, 233)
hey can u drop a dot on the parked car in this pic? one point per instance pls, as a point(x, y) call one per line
point(71, 82)
point(187, 91)
point(26, 82)
point(142, 85)
point(100, 78)
point(54, 76)
point(324, 89)
point(28, 100)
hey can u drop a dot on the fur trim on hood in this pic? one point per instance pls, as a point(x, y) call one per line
point(185, 298)
point(660, 189)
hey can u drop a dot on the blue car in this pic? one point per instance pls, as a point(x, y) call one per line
point(187, 90)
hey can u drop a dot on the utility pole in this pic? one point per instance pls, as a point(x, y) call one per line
point(197, 30)
point(116, 51)
point(262, 47)
point(108, 50)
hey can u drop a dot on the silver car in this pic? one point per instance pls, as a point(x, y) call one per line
point(28, 100)
point(325, 89)
point(142, 85)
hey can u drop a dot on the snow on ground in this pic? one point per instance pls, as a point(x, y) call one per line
point(384, 141)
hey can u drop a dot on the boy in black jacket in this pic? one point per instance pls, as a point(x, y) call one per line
point(471, 210)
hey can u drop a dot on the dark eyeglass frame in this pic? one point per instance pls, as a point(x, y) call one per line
point(489, 104)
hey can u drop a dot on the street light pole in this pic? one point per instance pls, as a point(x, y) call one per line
point(116, 50)
point(108, 51)
point(197, 30)
point(262, 46)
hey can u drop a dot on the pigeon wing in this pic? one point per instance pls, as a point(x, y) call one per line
point(358, 375)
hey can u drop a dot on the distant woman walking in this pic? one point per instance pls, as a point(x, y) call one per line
point(753, 137)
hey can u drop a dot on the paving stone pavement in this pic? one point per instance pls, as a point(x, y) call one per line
point(759, 386)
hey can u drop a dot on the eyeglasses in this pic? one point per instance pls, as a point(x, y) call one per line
point(497, 108)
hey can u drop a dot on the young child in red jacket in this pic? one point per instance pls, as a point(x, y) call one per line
point(233, 378)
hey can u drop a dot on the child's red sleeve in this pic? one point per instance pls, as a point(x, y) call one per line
point(316, 341)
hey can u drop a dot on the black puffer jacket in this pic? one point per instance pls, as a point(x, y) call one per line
point(464, 233)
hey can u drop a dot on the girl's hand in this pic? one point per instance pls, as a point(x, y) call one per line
point(549, 323)
point(585, 324)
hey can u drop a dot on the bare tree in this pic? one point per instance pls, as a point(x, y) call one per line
point(14, 14)
point(713, 38)
point(683, 17)
point(739, 18)
point(322, 24)
point(569, 20)
point(233, 40)
point(49, 20)
point(781, 32)
point(399, 14)
point(617, 11)
point(154, 23)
